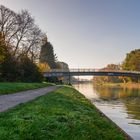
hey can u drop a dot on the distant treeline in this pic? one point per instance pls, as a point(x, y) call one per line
point(131, 63)
point(24, 49)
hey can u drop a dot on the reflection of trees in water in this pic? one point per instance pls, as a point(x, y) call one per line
point(133, 107)
point(116, 92)
point(129, 97)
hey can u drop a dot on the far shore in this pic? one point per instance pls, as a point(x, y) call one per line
point(122, 85)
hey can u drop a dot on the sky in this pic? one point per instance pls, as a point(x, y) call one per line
point(86, 33)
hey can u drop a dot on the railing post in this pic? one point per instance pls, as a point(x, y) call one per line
point(69, 79)
point(138, 79)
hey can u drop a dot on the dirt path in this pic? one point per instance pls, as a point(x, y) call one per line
point(11, 100)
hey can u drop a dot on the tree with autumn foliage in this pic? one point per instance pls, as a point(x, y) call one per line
point(132, 63)
point(43, 67)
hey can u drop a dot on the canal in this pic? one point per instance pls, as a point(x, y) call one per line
point(121, 105)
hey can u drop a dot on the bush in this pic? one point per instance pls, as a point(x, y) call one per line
point(29, 71)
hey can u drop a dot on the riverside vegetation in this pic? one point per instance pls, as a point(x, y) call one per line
point(25, 52)
point(130, 63)
point(60, 115)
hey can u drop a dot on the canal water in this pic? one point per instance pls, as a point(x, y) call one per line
point(121, 105)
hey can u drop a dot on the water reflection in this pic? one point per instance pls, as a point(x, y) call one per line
point(129, 97)
point(110, 93)
point(122, 105)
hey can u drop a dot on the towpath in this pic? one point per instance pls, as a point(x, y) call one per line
point(11, 100)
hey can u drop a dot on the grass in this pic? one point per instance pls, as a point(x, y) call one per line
point(6, 88)
point(64, 114)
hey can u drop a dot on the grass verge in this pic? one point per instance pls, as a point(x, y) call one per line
point(6, 88)
point(64, 114)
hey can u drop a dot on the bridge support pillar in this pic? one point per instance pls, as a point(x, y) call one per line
point(138, 79)
point(69, 82)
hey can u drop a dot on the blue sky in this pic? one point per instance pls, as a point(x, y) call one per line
point(86, 33)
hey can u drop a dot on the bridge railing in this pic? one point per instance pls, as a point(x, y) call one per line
point(91, 70)
point(72, 70)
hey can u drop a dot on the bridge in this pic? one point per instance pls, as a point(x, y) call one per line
point(90, 72)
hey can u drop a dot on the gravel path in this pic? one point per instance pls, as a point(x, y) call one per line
point(11, 100)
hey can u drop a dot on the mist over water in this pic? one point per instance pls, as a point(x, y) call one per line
point(122, 105)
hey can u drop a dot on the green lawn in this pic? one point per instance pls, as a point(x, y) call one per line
point(6, 88)
point(61, 115)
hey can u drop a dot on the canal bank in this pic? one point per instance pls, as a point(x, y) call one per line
point(119, 128)
point(61, 114)
point(118, 104)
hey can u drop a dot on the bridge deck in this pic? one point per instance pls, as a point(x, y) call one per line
point(90, 72)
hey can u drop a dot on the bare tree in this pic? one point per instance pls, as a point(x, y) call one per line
point(21, 32)
point(8, 23)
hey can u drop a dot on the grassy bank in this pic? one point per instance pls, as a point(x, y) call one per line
point(61, 115)
point(6, 88)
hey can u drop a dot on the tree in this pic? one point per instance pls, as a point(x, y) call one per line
point(29, 36)
point(112, 67)
point(10, 69)
point(47, 54)
point(109, 79)
point(20, 41)
point(8, 64)
point(64, 67)
point(3, 49)
point(132, 61)
point(29, 72)
point(21, 32)
point(43, 67)
point(8, 22)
